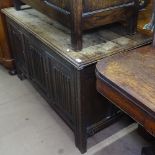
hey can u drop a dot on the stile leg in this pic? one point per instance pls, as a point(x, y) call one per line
point(148, 150)
point(80, 129)
point(81, 141)
point(17, 4)
point(132, 22)
point(76, 40)
point(12, 72)
point(76, 24)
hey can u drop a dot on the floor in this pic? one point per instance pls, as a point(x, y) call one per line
point(28, 126)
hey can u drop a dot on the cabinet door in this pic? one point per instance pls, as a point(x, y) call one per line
point(36, 61)
point(18, 48)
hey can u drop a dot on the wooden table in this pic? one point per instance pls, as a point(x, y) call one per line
point(128, 80)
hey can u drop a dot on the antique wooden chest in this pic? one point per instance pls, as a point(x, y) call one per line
point(80, 15)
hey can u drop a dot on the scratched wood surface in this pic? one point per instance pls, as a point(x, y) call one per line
point(133, 72)
point(98, 43)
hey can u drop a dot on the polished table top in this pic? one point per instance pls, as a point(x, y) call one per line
point(128, 80)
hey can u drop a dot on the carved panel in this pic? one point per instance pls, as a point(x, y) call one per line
point(60, 86)
point(71, 92)
point(37, 66)
point(17, 45)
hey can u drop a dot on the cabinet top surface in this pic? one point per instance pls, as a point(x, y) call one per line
point(97, 44)
point(134, 73)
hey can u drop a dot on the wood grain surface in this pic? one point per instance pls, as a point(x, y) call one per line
point(128, 81)
point(133, 72)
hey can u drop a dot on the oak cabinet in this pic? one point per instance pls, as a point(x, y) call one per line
point(62, 85)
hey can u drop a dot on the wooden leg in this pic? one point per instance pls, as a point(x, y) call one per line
point(13, 72)
point(142, 132)
point(17, 4)
point(80, 112)
point(21, 76)
point(81, 141)
point(76, 24)
point(148, 150)
point(132, 24)
point(132, 21)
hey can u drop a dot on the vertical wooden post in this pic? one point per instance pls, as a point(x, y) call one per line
point(17, 4)
point(80, 130)
point(132, 22)
point(76, 24)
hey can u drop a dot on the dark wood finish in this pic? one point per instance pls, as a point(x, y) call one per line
point(145, 134)
point(80, 15)
point(5, 53)
point(17, 4)
point(128, 81)
point(62, 85)
point(76, 24)
point(148, 151)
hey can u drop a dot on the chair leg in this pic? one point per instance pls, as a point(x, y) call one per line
point(17, 4)
point(132, 24)
point(132, 21)
point(148, 150)
point(76, 39)
point(76, 24)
